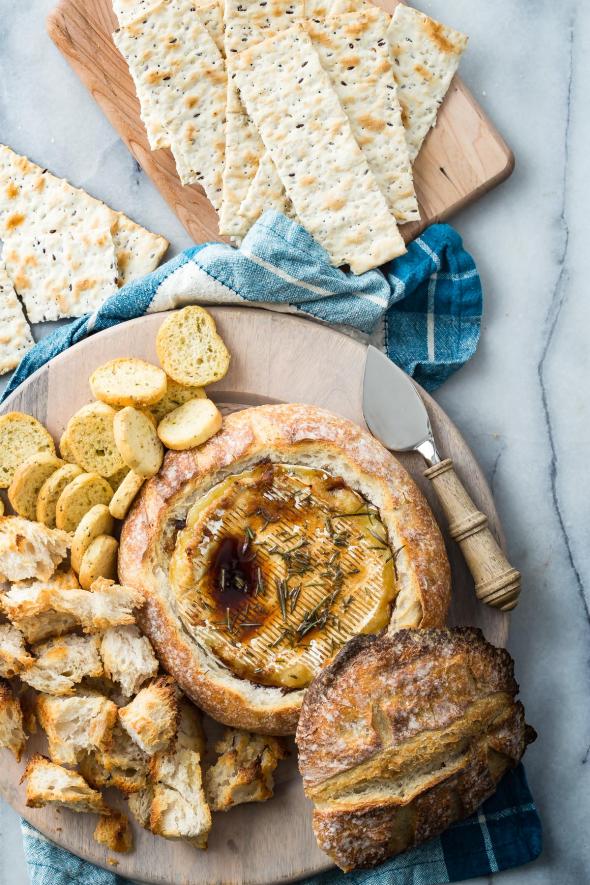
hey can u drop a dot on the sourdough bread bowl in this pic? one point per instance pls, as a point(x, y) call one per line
point(262, 552)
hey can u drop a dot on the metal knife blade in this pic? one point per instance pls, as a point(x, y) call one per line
point(393, 408)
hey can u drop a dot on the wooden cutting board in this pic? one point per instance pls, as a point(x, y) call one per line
point(275, 358)
point(462, 158)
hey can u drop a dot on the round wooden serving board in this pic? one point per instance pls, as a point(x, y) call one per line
point(275, 358)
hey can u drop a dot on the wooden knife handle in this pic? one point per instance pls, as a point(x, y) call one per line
point(496, 582)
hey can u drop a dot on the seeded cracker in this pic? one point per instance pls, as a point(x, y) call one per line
point(354, 52)
point(336, 197)
point(210, 15)
point(179, 71)
point(246, 23)
point(62, 248)
point(266, 191)
point(426, 56)
point(15, 334)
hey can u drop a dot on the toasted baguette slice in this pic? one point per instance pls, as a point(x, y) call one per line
point(176, 395)
point(51, 490)
point(27, 481)
point(96, 521)
point(151, 719)
point(99, 561)
point(138, 442)
point(29, 550)
point(75, 725)
point(178, 807)
point(117, 478)
point(244, 770)
point(120, 764)
point(65, 449)
point(125, 495)
point(115, 833)
point(12, 732)
point(128, 658)
point(20, 437)
point(78, 497)
point(189, 348)
point(91, 441)
point(14, 657)
point(190, 425)
point(50, 784)
point(128, 381)
point(62, 663)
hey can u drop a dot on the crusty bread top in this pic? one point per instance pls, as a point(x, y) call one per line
point(406, 695)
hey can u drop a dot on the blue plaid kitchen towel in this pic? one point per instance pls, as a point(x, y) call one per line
point(425, 310)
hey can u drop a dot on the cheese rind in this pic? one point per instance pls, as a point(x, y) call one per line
point(277, 567)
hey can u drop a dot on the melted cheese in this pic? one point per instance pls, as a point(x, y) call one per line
point(278, 567)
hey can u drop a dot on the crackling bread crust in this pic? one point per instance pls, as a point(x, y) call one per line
point(295, 434)
point(403, 734)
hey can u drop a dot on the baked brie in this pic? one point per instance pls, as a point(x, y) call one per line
point(264, 551)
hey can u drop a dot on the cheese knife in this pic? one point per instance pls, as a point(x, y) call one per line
point(396, 415)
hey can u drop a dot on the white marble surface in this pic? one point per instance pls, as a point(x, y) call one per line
point(522, 402)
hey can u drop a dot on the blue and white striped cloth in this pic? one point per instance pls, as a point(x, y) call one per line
point(425, 310)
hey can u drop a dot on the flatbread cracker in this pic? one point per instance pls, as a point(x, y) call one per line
point(62, 247)
point(182, 80)
point(266, 191)
point(334, 193)
point(338, 7)
point(67, 272)
point(15, 333)
point(246, 23)
point(426, 55)
point(211, 15)
point(138, 251)
point(353, 50)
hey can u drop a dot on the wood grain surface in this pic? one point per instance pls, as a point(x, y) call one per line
point(462, 158)
point(275, 358)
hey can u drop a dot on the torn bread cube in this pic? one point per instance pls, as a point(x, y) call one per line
point(244, 770)
point(108, 605)
point(174, 804)
point(62, 663)
point(119, 764)
point(190, 735)
point(178, 807)
point(12, 732)
point(45, 609)
point(30, 549)
point(151, 719)
point(140, 805)
point(14, 657)
point(128, 658)
point(76, 724)
point(51, 784)
point(30, 607)
point(115, 833)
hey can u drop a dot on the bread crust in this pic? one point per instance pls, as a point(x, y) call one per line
point(296, 434)
point(403, 734)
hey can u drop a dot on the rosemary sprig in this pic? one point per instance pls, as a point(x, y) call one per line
point(282, 594)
